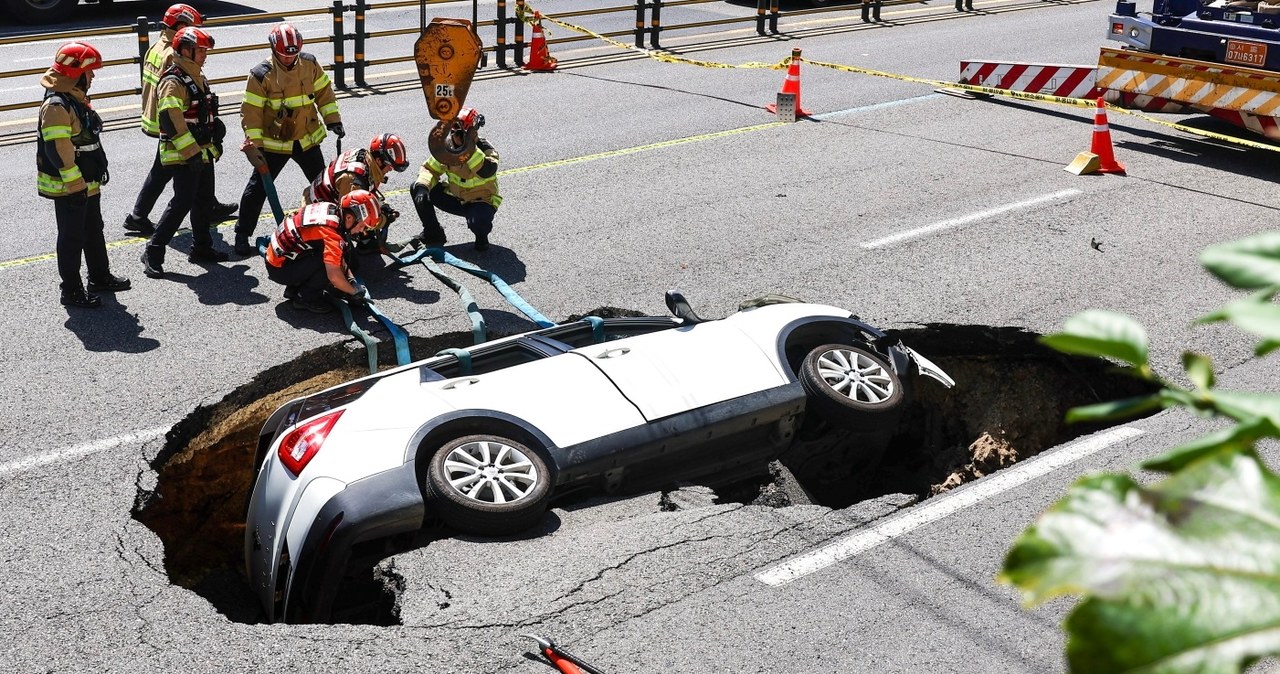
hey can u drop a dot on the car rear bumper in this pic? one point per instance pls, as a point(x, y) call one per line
point(307, 579)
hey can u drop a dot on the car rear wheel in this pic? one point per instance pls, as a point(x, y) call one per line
point(488, 485)
point(851, 386)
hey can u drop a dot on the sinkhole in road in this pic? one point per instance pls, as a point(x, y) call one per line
point(1008, 404)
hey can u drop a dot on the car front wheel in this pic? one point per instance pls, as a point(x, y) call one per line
point(488, 485)
point(851, 386)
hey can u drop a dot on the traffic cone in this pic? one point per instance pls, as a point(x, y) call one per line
point(791, 85)
point(539, 57)
point(1101, 145)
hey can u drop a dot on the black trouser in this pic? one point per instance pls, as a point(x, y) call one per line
point(312, 163)
point(80, 233)
point(192, 193)
point(479, 214)
point(306, 272)
point(152, 187)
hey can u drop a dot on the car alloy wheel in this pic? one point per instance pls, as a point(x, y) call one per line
point(851, 386)
point(488, 485)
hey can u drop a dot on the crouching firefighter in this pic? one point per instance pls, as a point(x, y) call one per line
point(309, 252)
point(190, 142)
point(362, 169)
point(70, 167)
point(469, 188)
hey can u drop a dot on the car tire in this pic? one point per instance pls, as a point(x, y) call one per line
point(851, 386)
point(488, 485)
point(40, 11)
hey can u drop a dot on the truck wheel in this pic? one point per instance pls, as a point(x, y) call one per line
point(40, 11)
point(488, 485)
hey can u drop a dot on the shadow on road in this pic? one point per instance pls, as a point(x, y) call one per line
point(109, 328)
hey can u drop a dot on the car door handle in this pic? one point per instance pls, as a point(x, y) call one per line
point(460, 383)
point(614, 353)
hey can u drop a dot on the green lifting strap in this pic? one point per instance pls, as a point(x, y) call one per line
point(370, 343)
point(500, 285)
point(464, 359)
point(478, 329)
point(398, 335)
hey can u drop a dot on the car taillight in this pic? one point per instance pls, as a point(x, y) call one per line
point(302, 443)
point(1117, 29)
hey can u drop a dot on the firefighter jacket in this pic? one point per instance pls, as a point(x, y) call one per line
point(69, 154)
point(476, 180)
point(188, 112)
point(283, 105)
point(159, 58)
point(351, 170)
point(315, 229)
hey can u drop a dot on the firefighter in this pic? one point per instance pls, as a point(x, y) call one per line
point(363, 169)
point(309, 252)
point(159, 58)
point(190, 141)
point(469, 188)
point(70, 167)
point(285, 98)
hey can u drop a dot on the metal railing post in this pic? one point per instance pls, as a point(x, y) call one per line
point(339, 38)
point(968, 5)
point(655, 24)
point(773, 17)
point(521, 11)
point(359, 55)
point(640, 5)
point(475, 27)
point(143, 29)
point(866, 11)
point(501, 27)
point(760, 17)
point(875, 10)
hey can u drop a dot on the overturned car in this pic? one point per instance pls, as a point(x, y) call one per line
point(481, 439)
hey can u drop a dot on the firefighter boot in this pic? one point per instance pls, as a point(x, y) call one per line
point(153, 261)
point(242, 247)
point(206, 254)
point(433, 235)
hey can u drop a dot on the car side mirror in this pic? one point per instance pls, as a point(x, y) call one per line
point(680, 308)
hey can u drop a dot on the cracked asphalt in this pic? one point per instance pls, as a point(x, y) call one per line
point(631, 584)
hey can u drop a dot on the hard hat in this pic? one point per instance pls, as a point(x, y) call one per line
point(389, 149)
point(364, 206)
point(468, 119)
point(74, 58)
point(285, 39)
point(192, 36)
point(181, 13)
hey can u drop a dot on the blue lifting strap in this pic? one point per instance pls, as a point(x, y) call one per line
point(370, 343)
point(478, 329)
point(464, 359)
point(597, 328)
point(398, 335)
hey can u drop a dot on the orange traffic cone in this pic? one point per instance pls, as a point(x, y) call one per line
point(539, 57)
point(1101, 145)
point(791, 85)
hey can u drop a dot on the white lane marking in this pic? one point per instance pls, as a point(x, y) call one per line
point(78, 451)
point(942, 506)
point(967, 219)
point(874, 106)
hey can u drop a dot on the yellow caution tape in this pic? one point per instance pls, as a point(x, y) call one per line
point(991, 91)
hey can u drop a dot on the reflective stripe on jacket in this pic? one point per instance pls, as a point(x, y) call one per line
point(60, 131)
point(159, 58)
point(180, 114)
point(282, 105)
point(477, 180)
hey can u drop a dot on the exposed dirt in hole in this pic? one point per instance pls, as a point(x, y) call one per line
point(1008, 404)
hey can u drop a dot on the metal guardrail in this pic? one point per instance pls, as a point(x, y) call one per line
point(648, 25)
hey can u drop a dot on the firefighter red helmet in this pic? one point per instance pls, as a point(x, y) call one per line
point(74, 58)
point(181, 13)
point(364, 206)
point(192, 36)
point(285, 39)
point(389, 149)
point(468, 119)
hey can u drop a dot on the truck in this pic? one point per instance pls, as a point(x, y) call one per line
point(1219, 57)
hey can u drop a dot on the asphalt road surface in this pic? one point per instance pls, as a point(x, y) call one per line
point(625, 177)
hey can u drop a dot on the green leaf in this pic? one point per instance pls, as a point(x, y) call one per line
point(1199, 369)
point(1182, 576)
point(1116, 409)
point(1239, 437)
point(1266, 347)
point(1243, 406)
point(1097, 332)
point(1252, 262)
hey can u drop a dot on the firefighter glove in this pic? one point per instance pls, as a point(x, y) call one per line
point(389, 214)
point(337, 130)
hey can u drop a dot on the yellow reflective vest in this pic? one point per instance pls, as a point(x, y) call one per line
point(465, 181)
point(61, 138)
point(283, 105)
point(180, 114)
point(159, 58)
